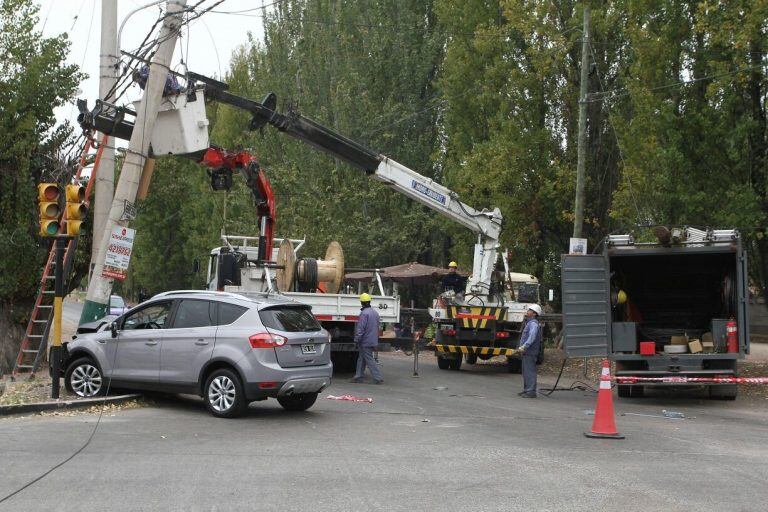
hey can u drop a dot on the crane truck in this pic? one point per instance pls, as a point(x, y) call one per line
point(482, 324)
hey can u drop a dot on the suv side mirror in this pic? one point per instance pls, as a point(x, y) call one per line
point(113, 329)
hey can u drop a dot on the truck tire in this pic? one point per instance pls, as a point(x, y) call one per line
point(455, 364)
point(443, 363)
point(724, 392)
point(344, 362)
point(630, 391)
point(471, 358)
point(514, 365)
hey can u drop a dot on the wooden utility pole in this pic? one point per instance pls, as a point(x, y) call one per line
point(578, 221)
point(123, 204)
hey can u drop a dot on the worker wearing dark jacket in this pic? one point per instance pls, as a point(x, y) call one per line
point(453, 281)
point(367, 339)
point(529, 346)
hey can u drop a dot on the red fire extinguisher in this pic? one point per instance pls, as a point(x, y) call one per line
point(732, 336)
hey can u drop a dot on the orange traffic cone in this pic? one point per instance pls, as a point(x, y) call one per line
point(604, 425)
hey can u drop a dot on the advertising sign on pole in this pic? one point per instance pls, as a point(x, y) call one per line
point(119, 253)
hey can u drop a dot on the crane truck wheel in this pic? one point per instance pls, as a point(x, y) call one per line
point(455, 364)
point(442, 363)
point(471, 358)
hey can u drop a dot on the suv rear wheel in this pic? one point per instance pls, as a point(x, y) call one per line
point(83, 378)
point(298, 402)
point(223, 394)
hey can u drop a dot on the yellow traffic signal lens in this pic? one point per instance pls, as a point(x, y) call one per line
point(73, 227)
point(49, 210)
point(76, 211)
point(49, 228)
point(48, 192)
point(75, 193)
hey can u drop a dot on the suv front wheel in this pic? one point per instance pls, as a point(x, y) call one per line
point(84, 378)
point(298, 402)
point(224, 395)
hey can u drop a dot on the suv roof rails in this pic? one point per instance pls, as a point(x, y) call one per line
point(199, 292)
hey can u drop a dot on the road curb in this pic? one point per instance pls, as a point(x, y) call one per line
point(7, 410)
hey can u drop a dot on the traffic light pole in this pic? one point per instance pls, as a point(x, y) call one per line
point(58, 297)
point(123, 204)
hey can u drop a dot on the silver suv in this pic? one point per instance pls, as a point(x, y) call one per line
point(231, 349)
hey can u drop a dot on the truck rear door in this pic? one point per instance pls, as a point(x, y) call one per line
point(586, 305)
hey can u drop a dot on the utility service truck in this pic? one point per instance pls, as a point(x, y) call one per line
point(673, 308)
point(236, 267)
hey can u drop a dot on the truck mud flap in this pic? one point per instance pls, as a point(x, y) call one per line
point(484, 351)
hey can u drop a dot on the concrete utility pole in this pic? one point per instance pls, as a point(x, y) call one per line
point(108, 69)
point(578, 221)
point(123, 209)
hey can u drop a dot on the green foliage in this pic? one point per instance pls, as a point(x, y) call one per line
point(33, 81)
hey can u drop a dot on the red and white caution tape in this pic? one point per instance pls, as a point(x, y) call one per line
point(350, 398)
point(686, 380)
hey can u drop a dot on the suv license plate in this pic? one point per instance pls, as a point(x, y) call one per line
point(308, 349)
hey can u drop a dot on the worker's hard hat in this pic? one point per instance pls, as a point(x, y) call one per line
point(365, 298)
point(535, 308)
point(621, 297)
point(453, 264)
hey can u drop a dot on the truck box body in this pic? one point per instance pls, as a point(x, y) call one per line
point(684, 290)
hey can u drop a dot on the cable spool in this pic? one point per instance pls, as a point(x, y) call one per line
point(286, 258)
point(311, 272)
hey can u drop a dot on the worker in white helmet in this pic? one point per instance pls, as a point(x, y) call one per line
point(528, 348)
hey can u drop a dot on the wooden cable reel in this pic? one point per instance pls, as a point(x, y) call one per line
point(310, 272)
point(286, 259)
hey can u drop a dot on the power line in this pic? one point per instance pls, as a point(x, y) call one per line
point(616, 137)
point(600, 96)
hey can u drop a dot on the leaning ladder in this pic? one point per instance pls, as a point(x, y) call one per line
point(35, 342)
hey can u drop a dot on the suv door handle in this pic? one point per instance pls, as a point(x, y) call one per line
point(151, 343)
point(201, 342)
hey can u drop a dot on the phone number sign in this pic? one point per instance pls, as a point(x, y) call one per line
point(119, 253)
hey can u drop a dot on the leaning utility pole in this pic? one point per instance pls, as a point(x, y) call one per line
point(104, 187)
point(578, 221)
point(123, 208)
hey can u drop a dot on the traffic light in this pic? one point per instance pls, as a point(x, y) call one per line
point(76, 209)
point(48, 201)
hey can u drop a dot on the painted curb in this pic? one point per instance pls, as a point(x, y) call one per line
point(7, 410)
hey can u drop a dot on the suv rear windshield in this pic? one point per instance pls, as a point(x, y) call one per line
point(289, 319)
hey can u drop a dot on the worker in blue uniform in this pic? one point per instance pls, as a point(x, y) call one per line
point(528, 348)
point(367, 339)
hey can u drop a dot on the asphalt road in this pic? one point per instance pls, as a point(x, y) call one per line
point(469, 445)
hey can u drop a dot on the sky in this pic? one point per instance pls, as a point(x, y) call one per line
point(211, 39)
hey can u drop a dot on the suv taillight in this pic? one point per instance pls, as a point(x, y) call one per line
point(266, 340)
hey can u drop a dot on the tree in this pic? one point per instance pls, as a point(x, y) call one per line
point(33, 81)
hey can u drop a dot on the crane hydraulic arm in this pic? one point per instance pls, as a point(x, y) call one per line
point(486, 224)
